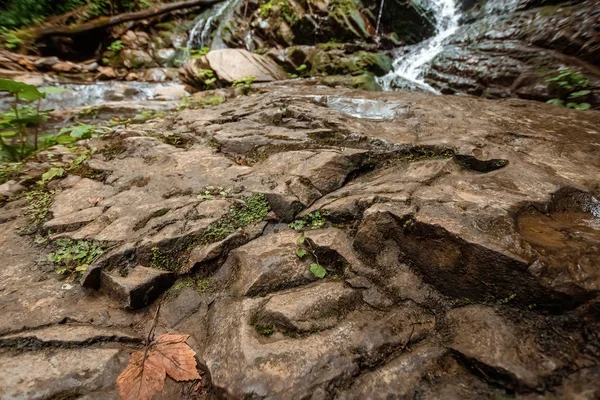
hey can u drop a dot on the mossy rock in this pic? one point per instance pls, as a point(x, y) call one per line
point(338, 63)
point(364, 81)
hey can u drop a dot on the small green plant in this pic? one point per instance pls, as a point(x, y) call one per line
point(9, 171)
point(199, 53)
point(305, 248)
point(16, 124)
point(162, 260)
point(314, 220)
point(571, 89)
point(115, 46)
point(210, 192)
point(254, 209)
point(73, 257)
point(12, 39)
point(55, 172)
point(38, 205)
point(262, 328)
point(245, 84)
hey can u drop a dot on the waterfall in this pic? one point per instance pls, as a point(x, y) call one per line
point(379, 17)
point(409, 68)
point(200, 33)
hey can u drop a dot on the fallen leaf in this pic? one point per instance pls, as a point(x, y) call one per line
point(142, 379)
point(147, 370)
point(176, 357)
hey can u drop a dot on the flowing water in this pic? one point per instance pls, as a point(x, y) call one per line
point(200, 33)
point(408, 69)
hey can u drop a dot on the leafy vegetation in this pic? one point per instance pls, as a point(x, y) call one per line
point(115, 46)
point(245, 84)
point(17, 13)
point(571, 89)
point(73, 257)
point(314, 220)
point(305, 248)
point(254, 209)
point(210, 192)
point(38, 205)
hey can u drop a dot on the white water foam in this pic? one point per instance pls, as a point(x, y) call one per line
point(410, 67)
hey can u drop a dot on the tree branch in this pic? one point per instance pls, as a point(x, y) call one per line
point(105, 22)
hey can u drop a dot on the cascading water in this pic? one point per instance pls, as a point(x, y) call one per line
point(200, 33)
point(408, 69)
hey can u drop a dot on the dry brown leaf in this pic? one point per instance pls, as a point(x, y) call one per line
point(142, 379)
point(176, 357)
point(168, 354)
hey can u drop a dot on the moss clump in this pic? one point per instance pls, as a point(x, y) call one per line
point(262, 328)
point(255, 209)
point(364, 81)
point(200, 285)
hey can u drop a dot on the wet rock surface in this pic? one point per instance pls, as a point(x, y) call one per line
point(511, 49)
point(458, 238)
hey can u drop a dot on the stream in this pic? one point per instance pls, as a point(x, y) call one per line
point(409, 68)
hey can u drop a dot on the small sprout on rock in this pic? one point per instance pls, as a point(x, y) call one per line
point(73, 257)
point(314, 220)
point(318, 270)
point(305, 248)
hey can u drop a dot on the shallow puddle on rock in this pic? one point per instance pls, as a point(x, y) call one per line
point(566, 233)
point(361, 108)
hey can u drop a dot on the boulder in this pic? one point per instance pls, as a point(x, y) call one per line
point(134, 59)
point(230, 65)
point(139, 287)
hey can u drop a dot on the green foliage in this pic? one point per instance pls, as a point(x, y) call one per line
point(571, 89)
point(307, 248)
point(210, 192)
point(199, 53)
point(254, 209)
point(38, 205)
point(9, 171)
point(115, 46)
point(16, 13)
point(16, 123)
point(200, 285)
point(12, 39)
point(285, 10)
point(245, 84)
point(207, 76)
point(55, 172)
point(262, 328)
point(314, 220)
point(73, 257)
point(162, 260)
point(317, 270)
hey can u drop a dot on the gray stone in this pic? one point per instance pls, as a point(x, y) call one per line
point(139, 288)
point(309, 309)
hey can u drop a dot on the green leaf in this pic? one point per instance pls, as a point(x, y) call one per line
point(23, 90)
point(7, 134)
point(580, 93)
point(300, 253)
point(583, 106)
point(51, 174)
point(62, 271)
point(301, 240)
point(63, 139)
point(318, 271)
point(82, 131)
point(81, 268)
point(556, 102)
